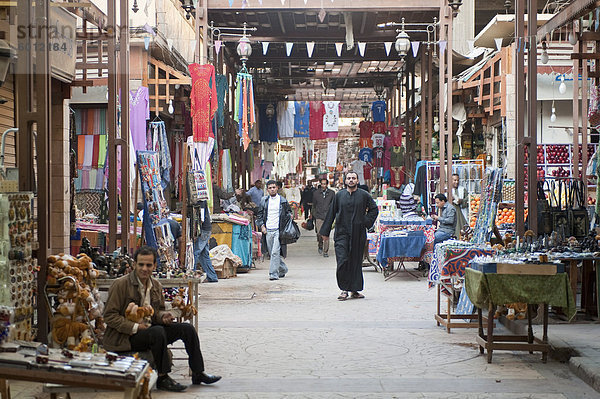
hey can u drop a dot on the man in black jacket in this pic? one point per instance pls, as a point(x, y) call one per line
point(307, 199)
point(322, 199)
point(274, 211)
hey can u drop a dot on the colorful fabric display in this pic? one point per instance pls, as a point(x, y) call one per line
point(301, 119)
point(366, 131)
point(285, 119)
point(90, 121)
point(379, 127)
point(161, 146)
point(244, 110)
point(366, 155)
point(378, 140)
point(204, 101)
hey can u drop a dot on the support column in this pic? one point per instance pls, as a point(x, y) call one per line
point(113, 196)
point(576, 129)
point(532, 119)
point(441, 94)
point(424, 101)
point(449, 105)
point(429, 105)
point(520, 117)
point(584, 121)
point(124, 78)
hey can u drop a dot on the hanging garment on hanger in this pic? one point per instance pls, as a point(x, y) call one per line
point(204, 102)
point(331, 116)
point(139, 113)
point(378, 107)
point(396, 133)
point(222, 86)
point(317, 111)
point(301, 118)
point(267, 129)
point(366, 131)
point(285, 119)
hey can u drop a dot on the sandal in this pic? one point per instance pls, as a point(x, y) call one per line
point(357, 295)
point(343, 296)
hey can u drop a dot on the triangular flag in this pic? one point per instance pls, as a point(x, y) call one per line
point(146, 42)
point(244, 4)
point(288, 48)
point(265, 47)
point(193, 43)
point(442, 47)
point(218, 44)
point(282, 2)
point(322, 14)
point(310, 46)
point(415, 48)
point(471, 44)
point(498, 41)
point(361, 48)
point(230, 3)
point(388, 47)
point(338, 48)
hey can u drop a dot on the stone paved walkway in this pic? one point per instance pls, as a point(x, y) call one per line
point(292, 339)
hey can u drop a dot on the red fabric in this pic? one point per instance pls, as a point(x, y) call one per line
point(317, 111)
point(396, 133)
point(95, 151)
point(203, 99)
point(367, 171)
point(379, 127)
point(366, 129)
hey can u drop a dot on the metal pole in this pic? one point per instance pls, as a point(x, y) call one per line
point(442, 91)
point(584, 122)
point(520, 117)
point(113, 202)
point(423, 118)
point(450, 17)
point(576, 130)
point(429, 105)
point(124, 75)
point(532, 114)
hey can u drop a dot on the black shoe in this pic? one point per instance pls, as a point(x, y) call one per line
point(198, 378)
point(273, 278)
point(166, 383)
point(281, 275)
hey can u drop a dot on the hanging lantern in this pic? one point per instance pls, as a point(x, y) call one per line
point(365, 110)
point(135, 7)
point(562, 87)
point(402, 44)
point(455, 4)
point(378, 87)
point(544, 56)
point(244, 48)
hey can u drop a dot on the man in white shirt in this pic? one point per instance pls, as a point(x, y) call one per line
point(273, 214)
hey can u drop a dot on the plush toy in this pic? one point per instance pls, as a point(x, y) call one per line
point(68, 332)
point(187, 309)
point(137, 314)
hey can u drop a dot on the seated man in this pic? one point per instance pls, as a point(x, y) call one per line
point(155, 333)
point(447, 221)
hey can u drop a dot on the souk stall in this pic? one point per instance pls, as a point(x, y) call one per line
point(399, 239)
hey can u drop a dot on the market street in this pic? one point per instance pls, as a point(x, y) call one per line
point(293, 339)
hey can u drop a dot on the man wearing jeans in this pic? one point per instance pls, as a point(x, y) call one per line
point(447, 220)
point(202, 229)
point(273, 214)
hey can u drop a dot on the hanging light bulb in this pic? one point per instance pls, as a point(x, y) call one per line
point(553, 114)
point(171, 109)
point(562, 88)
point(544, 57)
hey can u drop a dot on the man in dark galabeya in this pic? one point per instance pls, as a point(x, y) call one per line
point(354, 212)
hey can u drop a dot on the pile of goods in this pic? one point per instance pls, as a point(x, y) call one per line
point(183, 303)
point(474, 209)
point(508, 191)
point(557, 154)
point(78, 305)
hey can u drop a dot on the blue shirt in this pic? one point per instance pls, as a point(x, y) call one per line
point(267, 128)
point(255, 194)
point(378, 108)
point(301, 118)
point(366, 154)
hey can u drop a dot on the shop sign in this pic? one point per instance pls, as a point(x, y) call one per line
point(62, 45)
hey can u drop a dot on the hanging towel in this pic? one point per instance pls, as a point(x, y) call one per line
point(96, 151)
point(80, 150)
point(100, 179)
point(88, 152)
point(102, 147)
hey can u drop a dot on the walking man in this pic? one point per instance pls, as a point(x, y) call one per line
point(322, 199)
point(354, 212)
point(273, 214)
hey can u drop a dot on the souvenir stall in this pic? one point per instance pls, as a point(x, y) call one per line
point(447, 269)
point(399, 239)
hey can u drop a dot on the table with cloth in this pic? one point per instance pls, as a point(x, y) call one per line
point(446, 272)
point(399, 245)
point(374, 240)
point(488, 290)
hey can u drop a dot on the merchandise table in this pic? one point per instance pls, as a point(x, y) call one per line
point(99, 375)
point(374, 241)
point(401, 247)
point(488, 290)
point(446, 271)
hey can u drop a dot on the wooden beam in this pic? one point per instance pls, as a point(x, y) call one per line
point(340, 5)
point(573, 11)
